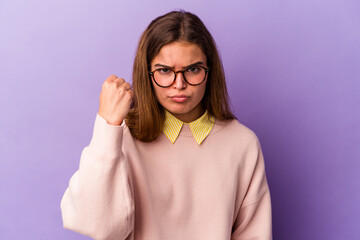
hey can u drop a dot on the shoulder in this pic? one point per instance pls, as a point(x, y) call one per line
point(232, 134)
point(235, 130)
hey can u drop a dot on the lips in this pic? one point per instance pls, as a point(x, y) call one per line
point(179, 98)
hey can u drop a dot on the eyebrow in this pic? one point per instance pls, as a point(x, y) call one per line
point(172, 67)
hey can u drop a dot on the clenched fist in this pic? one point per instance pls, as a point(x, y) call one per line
point(115, 100)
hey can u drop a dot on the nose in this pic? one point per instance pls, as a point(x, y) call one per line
point(180, 82)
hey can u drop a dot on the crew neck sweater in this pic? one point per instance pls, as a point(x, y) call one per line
point(133, 190)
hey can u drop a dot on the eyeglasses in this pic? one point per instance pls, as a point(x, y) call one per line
point(165, 77)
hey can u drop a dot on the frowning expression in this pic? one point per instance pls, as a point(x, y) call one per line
point(180, 99)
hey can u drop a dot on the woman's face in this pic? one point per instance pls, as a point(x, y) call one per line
point(180, 99)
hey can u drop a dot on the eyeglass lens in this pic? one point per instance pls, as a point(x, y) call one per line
point(193, 75)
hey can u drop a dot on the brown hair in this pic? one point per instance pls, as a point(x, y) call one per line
point(146, 118)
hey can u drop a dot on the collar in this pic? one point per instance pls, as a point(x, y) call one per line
point(200, 128)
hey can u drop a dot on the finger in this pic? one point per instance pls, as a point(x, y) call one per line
point(111, 78)
point(119, 80)
point(131, 93)
point(126, 86)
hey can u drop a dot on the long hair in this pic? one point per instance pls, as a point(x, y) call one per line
point(145, 119)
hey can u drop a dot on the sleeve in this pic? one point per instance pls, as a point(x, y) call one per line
point(254, 219)
point(98, 201)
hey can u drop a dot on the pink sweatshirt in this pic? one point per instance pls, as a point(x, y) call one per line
point(128, 189)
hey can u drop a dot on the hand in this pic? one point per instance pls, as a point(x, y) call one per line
point(115, 100)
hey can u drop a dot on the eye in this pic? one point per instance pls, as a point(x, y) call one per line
point(163, 70)
point(193, 69)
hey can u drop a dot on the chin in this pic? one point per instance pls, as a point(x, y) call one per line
point(180, 108)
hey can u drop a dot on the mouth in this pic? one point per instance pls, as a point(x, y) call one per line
point(179, 98)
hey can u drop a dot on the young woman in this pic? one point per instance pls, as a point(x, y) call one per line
point(176, 164)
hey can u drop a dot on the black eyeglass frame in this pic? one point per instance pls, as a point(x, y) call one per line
point(183, 73)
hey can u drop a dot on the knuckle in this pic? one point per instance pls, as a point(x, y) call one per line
point(120, 80)
point(111, 78)
point(126, 85)
point(107, 84)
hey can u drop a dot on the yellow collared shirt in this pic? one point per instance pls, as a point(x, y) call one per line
point(200, 128)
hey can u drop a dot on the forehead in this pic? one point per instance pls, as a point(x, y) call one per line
point(179, 54)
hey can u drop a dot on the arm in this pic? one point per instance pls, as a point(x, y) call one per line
point(98, 202)
point(254, 217)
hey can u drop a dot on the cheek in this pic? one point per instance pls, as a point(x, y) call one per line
point(159, 93)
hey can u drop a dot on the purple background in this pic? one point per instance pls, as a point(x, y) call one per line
point(293, 72)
